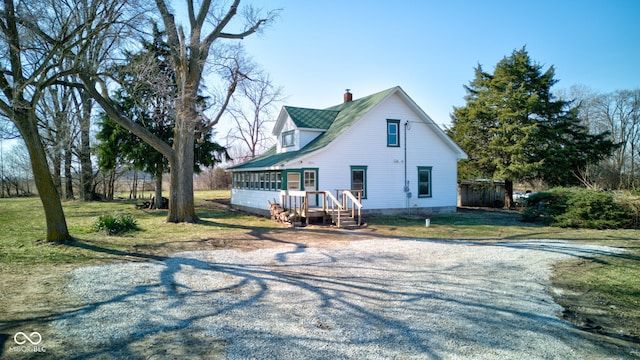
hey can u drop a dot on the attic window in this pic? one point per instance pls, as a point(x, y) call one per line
point(287, 138)
point(393, 133)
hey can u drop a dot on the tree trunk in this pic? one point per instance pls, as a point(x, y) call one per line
point(111, 184)
point(86, 169)
point(56, 224)
point(133, 193)
point(68, 176)
point(508, 194)
point(158, 191)
point(181, 203)
point(56, 174)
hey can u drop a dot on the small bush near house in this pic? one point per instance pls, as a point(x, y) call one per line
point(581, 208)
point(115, 224)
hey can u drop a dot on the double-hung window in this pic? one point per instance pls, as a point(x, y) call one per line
point(393, 133)
point(424, 181)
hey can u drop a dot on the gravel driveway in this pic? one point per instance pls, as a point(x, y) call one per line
point(370, 299)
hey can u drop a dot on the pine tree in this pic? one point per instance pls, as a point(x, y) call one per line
point(514, 129)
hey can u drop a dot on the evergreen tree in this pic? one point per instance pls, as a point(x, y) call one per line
point(151, 105)
point(513, 128)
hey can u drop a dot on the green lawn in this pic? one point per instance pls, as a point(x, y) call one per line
point(491, 225)
point(23, 229)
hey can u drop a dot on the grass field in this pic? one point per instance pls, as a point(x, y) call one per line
point(603, 290)
point(22, 238)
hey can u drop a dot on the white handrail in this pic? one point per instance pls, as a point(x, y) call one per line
point(346, 194)
point(353, 198)
point(334, 203)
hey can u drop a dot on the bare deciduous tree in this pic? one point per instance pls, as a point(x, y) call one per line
point(39, 39)
point(253, 111)
point(190, 52)
point(618, 113)
point(22, 85)
point(58, 122)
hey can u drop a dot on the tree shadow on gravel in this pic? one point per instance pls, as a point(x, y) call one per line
point(327, 303)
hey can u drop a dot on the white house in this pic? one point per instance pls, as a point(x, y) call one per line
point(383, 148)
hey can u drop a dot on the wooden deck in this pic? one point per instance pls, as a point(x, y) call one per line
point(345, 213)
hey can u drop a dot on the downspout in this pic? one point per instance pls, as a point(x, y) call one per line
point(406, 182)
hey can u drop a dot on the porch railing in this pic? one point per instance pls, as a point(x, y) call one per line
point(349, 201)
point(336, 206)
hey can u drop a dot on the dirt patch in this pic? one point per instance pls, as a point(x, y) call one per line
point(30, 298)
point(589, 308)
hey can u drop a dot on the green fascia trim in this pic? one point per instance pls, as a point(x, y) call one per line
point(348, 114)
point(268, 159)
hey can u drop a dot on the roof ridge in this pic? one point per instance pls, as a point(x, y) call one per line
point(306, 108)
point(345, 104)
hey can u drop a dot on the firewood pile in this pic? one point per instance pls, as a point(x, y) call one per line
point(149, 204)
point(279, 214)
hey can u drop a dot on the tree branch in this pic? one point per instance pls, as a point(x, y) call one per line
point(171, 29)
point(222, 24)
point(246, 33)
point(119, 117)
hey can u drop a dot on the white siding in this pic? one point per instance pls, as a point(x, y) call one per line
point(256, 199)
point(306, 136)
point(289, 126)
point(365, 143)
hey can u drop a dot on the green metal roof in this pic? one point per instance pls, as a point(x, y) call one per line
point(311, 118)
point(345, 115)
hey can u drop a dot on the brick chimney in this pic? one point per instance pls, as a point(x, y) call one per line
point(348, 96)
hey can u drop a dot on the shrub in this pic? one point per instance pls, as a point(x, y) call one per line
point(543, 207)
point(593, 210)
point(630, 202)
point(580, 208)
point(115, 224)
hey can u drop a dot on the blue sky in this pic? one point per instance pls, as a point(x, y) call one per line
point(317, 49)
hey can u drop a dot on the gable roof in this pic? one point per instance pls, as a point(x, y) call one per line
point(344, 115)
point(311, 118)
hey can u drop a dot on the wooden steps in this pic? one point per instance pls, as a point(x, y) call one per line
point(345, 221)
